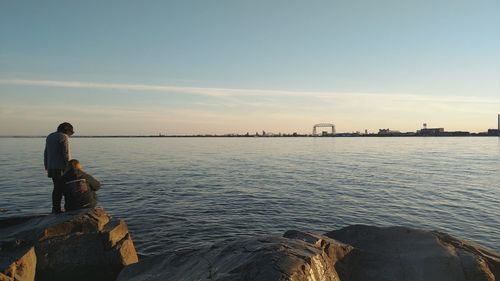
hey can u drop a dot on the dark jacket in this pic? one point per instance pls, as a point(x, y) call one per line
point(79, 189)
point(57, 152)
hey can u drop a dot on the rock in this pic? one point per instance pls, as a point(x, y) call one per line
point(80, 245)
point(262, 258)
point(349, 254)
point(21, 266)
point(400, 253)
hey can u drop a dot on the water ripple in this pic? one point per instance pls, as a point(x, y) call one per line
point(178, 193)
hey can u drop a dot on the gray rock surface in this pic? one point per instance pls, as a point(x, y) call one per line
point(80, 245)
point(350, 254)
point(296, 256)
point(398, 253)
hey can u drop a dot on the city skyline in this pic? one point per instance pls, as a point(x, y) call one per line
point(192, 67)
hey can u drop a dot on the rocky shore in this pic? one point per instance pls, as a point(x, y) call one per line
point(355, 253)
point(89, 245)
point(79, 245)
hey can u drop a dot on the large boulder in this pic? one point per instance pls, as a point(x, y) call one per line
point(400, 253)
point(296, 256)
point(350, 254)
point(81, 245)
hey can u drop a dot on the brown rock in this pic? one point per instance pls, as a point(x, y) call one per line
point(400, 253)
point(356, 253)
point(296, 256)
point(80, 245)
point(22, 269)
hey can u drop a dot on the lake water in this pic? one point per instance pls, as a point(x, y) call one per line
point(187, 192)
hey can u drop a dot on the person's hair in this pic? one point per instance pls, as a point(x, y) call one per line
point(72, 164)
point(65, 128)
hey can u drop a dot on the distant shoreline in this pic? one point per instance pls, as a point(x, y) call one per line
point(260, 136)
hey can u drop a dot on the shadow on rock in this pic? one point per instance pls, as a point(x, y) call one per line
point(81, 245)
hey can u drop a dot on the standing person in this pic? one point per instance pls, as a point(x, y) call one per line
point(56, 157)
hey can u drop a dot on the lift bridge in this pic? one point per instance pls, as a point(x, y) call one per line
point(323, 125)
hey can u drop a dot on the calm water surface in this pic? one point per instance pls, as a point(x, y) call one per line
point(187, 192)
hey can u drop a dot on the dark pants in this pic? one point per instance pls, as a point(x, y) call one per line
point(57, 194)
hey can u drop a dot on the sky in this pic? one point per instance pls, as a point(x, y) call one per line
point(231, 66)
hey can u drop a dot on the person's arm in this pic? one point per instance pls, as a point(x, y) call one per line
point(65, 150)
point(94, 184)
point(45, 156)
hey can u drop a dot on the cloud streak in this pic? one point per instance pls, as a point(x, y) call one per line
point(239, 92)
point(239, 110)
point(214, 92)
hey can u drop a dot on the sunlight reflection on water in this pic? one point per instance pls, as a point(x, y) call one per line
point(174, 193)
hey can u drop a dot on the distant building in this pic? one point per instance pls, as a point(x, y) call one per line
point(493, 132)
point(388, 132)
point(457, 134)
point(430, 131)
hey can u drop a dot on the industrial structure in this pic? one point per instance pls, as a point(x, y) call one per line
point(495, 132)
point(430, 131)
point(323, 125)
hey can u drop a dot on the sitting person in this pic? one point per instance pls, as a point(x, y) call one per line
point(77, 187)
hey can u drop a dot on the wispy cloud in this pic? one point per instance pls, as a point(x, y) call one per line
point(241, 92)
point(207, 91)
point(240, 110)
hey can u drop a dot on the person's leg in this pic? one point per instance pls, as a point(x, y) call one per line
point(56, 193)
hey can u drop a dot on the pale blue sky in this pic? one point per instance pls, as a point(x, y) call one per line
point(143, 67)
